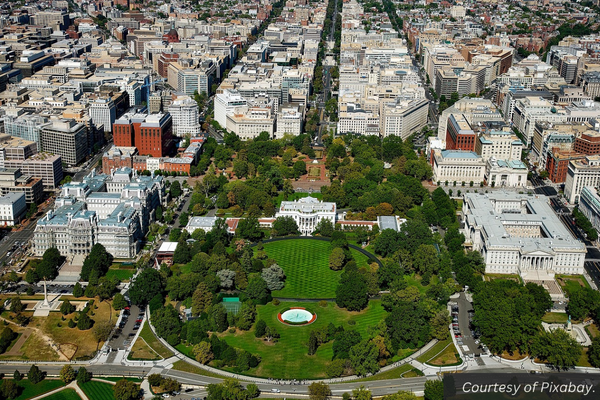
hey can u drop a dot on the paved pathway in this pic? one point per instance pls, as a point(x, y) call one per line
point(16, 349)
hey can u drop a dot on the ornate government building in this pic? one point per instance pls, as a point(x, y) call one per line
point(520, 234)
point(307, 212)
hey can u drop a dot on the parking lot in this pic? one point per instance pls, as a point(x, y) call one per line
point(130, 324)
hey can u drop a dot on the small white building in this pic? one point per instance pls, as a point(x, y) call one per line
point(12, 208)
point(307, 212)
point(204, 223)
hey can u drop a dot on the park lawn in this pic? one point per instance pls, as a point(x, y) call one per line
point(288, 358)
point(98, 390)
point(192, 369)
point(306, 265)
point(30, 390)
point(415, 280)
point(434, 351)
point(66, 337)
point(153, 342)
point(141, 351)
point(511, 277)
point(35, 348)
point(65, 394)
point(555, 318)
point(449, 356)
point(569, 283)
point(583, 360)
point(120, 274)
point(592, 330)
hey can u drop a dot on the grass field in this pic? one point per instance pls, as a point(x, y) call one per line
point(29, 390)
point(153, 342)
point(569, 283)
point(98, 390)
point(289, 357)
point(555, 318)
point(64, 336)
point(120, 274)
point(434, 351)
point(65, 394)
point(187, 367)
point(448, 356)
point(141, 351)
point(391, 374)
point(306, 265)
point(35, 349)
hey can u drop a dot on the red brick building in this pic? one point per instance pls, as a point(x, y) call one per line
point(151, 134)
point(163, 62)
point(118, 157)
point(459, 135)
point(588, 143)
point(557, 163)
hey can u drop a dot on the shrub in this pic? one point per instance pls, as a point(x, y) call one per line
point(276, 302)
point(323, 303)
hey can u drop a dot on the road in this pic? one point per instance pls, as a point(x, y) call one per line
point(78, 177)
point(7, 243)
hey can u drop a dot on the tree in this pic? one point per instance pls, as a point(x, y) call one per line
point(119, 302)
point(594, 352)
point(203, 352)
point(9, 389)
point(98, 260)
point(325, 227)
point(434, 390)
point(67, 374)
point(77, 290)
point(16, 305)
point(258, 290)
point(352, 292)
point(557, 347)
point(319, 391)
point(175, 189)
point(126, 390)
point(66, 307)
point(361, 393)
point(184, 218)
point(284, 226)
point(48, 268)
point(226, 278)
point(17, 376)
point(146, 285)
point(260, 328)
point(271, 333)
point(401, 395)
point(387, 243)
point(102, 331)
point(274, 277)
point(313, 343)
point(363, 358)
point(83, 376)
point(35, 375)
point(155, 380)
point(84, 322)
point(249, 228)
point(299, 168)
point(337, 259)
point(253, 390)
point(201, 299)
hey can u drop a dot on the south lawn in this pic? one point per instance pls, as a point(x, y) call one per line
point(306, 265)
point(289, 357)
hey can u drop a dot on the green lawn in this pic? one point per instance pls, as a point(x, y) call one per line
point(555, 318)
point(571, 282)
point(65, 394)
point(153, 342)
point(306, 265)
point(98, 390)
point(30, 390)
point(288, 358)
point(120, 274)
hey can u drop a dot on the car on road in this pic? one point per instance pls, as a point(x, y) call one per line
point(274, 390)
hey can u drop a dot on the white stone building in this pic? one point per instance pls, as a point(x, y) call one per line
point(581, 174)
point(520, 234)
point(289, 121)
point(225, 103)
point(12, 208)
point(502, 173)
point(307, 212)
point(103, 112)
point(184, 112)
point(458, 166)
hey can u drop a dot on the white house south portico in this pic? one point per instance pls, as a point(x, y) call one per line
point(307, 212)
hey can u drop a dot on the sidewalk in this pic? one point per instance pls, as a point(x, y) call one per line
point(72, 385)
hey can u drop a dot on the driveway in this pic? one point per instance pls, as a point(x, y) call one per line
point(122, 340)
point(469, 346)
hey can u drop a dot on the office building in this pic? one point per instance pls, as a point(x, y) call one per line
point(66, 138)
point(13, 208)
point(582, 173)
point(520, 234)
